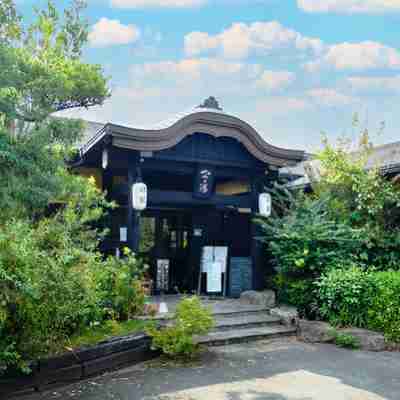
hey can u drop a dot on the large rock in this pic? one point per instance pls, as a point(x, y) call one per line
point(316, 331)
point(265, 298)
point(368, 340)
point(288, 315)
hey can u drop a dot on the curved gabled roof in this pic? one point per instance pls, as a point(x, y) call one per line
point(201, 119)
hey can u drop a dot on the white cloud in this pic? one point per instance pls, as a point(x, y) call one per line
point(329, 97)
point(273, 80)
point(281, 105)
point(157, 3)
point(349, 6)
point(109, 32)
point(219, 74)
point(357, 56)
point(240, 40)
point(374, 83)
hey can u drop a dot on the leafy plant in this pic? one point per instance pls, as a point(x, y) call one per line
point(119, 285)
point(190, 319)
point(345, 295)
point(384, 312)
point(345, 340)
point(306, 240)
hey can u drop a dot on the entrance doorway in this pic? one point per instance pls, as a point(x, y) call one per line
point(172, 242)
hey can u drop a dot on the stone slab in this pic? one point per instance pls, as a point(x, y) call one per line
point(266, 298)
point(245, 335)
point(368, 340)
point(315, 331)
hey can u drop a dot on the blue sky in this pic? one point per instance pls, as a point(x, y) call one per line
point(290, 68)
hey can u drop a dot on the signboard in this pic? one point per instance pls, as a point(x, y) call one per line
point(214, 275)
point(265, 204)
point(204, 182)
point(214, 263)
point(139, 196)
point(212, 254)
point(162, 282)
point(240, 275)
point(123, 234)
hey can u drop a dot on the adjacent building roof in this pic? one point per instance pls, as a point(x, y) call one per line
point(207, 118)
point(385, 157)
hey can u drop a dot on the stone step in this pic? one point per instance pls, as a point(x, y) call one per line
point(245, 321)
point(243, 310)
point(221, 338)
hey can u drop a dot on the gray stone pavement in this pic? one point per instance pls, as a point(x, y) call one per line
point(281, 369)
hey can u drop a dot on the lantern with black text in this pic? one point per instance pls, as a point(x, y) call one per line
point(104, 159)
point(265, 204)
point(139, 196)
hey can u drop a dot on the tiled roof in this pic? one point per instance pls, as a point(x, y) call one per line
point(385, 157)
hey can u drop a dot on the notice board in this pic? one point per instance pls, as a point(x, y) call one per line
point(240, 275)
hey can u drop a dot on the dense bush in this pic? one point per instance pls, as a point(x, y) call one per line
point(307, 239)
point(384, 312)
point(351, 218)
point(52, 286)
point(190, 319)
point(121, 295)
point(365, 299)
point(345, 295)
point(297, 292)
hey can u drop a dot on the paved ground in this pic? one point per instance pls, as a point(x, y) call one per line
point(282, 369)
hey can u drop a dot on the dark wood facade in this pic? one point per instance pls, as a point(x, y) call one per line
point(180, 220)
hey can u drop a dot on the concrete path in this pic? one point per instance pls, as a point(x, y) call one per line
point(282, 369)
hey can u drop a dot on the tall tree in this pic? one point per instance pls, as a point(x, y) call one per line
point(42, 72)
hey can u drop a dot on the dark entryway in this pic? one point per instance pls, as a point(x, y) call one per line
point(177, 237)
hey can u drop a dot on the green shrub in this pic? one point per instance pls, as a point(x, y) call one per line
point(345, 296)
point(119, 287)
point(365, 299)
point(306, 240)
point(53, 285)
point(190, 319)
point(384, 312)
point(300, 293)
point(345, 340)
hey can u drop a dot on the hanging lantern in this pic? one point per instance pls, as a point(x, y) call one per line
point(265, 204)
point(104, 159)
point(139, 196)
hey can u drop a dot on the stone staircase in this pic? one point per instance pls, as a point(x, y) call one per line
point(235, 321)
point(245, 325)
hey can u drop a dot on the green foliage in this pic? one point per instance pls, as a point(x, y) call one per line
point(121, 294)
point(297, 292)
point(98, 332)
point(345, 340)
point(366, 299)
point(190, 319)
point(305, 240)
point(53, 285)
point(345, 295)
point(364, 199)
point(41, 67)
point(384, 312)
point(334, 237)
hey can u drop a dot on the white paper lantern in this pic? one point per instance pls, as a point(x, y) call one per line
point(104, 159)
point(139, 196)
point(265, 204)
